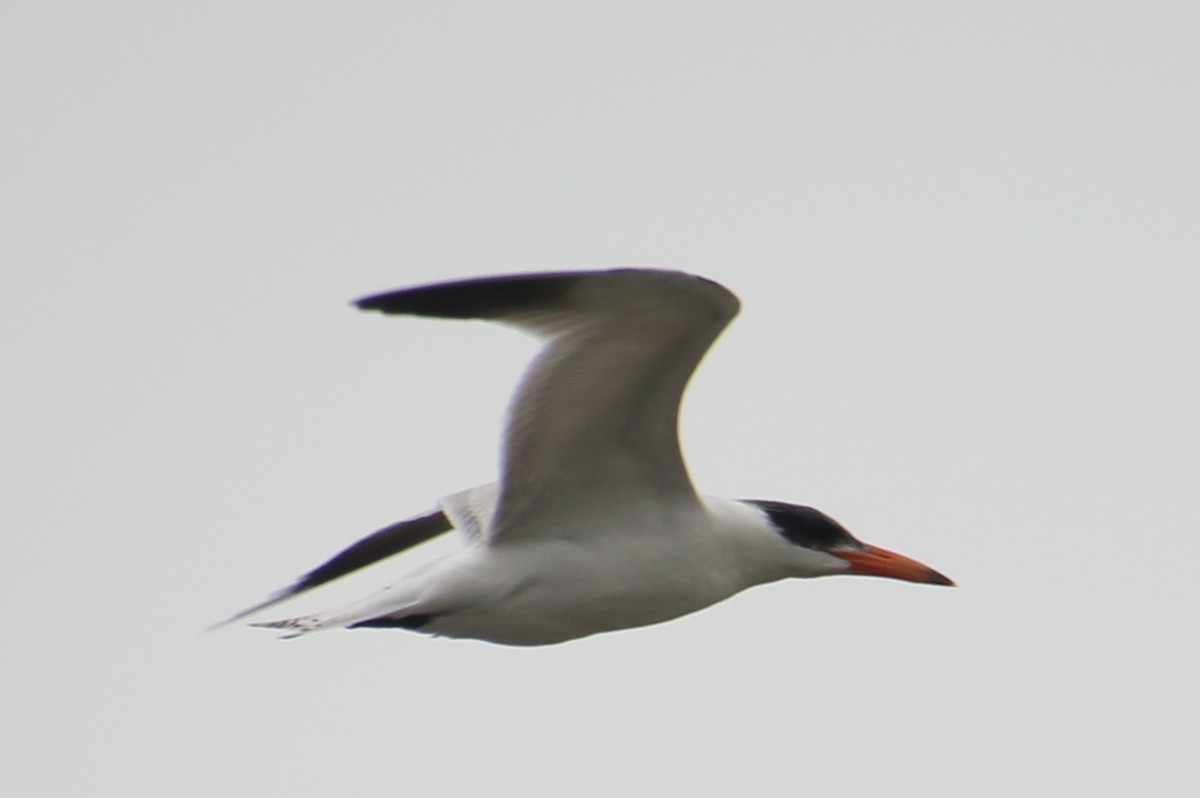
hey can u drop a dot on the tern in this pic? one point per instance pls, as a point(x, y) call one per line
point(594, 525)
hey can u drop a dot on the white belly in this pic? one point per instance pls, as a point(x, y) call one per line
point(548, 592)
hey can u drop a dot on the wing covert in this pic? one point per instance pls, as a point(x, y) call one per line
point(593, 424)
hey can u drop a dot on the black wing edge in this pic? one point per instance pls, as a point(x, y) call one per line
point(480, 298)
point(377, 546)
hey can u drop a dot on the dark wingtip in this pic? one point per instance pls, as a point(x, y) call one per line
point(481, 298)
point(379, 545)
point(277, 597)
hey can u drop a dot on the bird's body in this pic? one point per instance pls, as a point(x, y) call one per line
point(594, 525)
point(547, 590)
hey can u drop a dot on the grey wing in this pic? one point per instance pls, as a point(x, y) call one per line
point(593, 425)
point(377, 546)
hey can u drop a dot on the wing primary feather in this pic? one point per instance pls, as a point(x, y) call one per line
point(481, 298)
point(377, 546)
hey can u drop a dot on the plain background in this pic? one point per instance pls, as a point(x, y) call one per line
point(966, 240)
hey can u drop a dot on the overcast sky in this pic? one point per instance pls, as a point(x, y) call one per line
point(966, 240)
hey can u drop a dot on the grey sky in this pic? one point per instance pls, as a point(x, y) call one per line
point(965, 239)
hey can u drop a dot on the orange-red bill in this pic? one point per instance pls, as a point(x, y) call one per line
point(874, 561)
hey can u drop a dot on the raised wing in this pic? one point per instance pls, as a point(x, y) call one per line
point(377, 546)
point(593, 425)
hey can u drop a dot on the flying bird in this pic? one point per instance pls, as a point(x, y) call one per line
point(594, 525)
